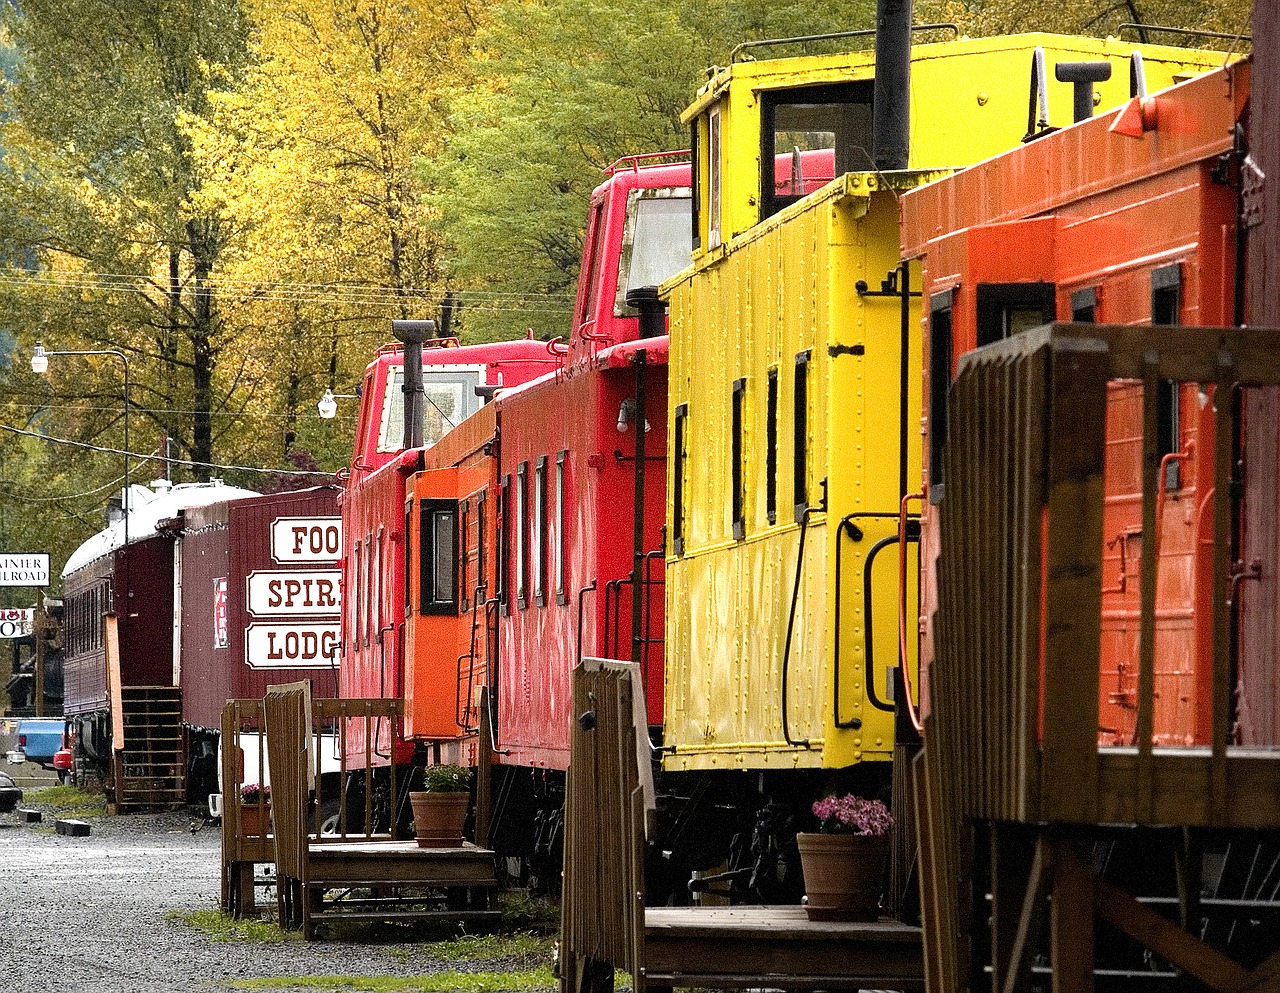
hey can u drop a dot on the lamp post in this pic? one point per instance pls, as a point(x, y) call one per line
point(327, 406)
point(40, 365)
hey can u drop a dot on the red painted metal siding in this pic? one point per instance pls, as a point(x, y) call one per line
point(230, 541)
point(1086, 209)
point(538, 642)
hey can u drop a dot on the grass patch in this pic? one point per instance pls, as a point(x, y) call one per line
point(223, 927)
point(522, 912)
point(68, 799)
point(526, 948)
point(443, 982)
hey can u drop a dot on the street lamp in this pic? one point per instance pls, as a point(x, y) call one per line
point(40, 365)
point(328, 404)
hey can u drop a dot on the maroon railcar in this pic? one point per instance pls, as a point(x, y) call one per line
point(259, 598)
point(119, 615)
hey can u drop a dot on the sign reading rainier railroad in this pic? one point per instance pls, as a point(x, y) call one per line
point(24, 569)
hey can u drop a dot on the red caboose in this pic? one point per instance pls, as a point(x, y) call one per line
point(455, 381)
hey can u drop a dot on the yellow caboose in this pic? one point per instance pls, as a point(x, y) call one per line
point(795, 377)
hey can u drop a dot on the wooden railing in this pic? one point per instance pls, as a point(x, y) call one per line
point(1013, 732)
point(342, 798)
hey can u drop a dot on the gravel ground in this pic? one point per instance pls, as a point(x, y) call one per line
point(95, 914)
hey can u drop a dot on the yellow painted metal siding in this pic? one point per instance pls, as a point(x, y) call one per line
point(787, 288)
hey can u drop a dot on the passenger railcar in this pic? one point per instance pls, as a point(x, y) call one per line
point(121, 644)
point(258, 593)
point(793, 452)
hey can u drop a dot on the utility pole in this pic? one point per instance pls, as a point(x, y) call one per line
point(37, 630)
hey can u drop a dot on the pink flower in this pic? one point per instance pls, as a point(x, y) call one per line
point(851, 814)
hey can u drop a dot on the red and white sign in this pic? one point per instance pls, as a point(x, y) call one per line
point(291, 645)
point(17, 622)
point(297, 593)
point(221, 622)
point(306, 539)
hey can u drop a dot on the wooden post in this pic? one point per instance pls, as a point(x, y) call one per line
point(37, 629)
point(1071, 923)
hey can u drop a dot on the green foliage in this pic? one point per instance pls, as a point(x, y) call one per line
point(441, 982)
point(1096, 18)
point(563, 89)
point(446, 779)
point(223, 927)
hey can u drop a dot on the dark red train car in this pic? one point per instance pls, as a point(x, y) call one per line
point(259, 601)
point(132, 583)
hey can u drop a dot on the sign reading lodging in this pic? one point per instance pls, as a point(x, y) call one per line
point(306, 539)
point(24, 569)
point(17, 623)
point(291, 645)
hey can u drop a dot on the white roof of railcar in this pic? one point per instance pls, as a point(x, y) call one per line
point(148, 508)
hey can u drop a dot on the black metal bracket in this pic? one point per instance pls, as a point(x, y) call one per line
point(888, 286)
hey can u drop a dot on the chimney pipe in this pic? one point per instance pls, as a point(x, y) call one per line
point(653, 312)
point(891, 111)
point(412, 334)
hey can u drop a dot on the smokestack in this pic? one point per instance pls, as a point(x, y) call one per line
point(653, 312)
point(413, 333)
point(891, 115)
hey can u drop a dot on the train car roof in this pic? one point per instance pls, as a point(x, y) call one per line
point(149, 508)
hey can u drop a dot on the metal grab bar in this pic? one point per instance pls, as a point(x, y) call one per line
point(902, 611)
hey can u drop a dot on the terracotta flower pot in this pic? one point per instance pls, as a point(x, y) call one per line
point(438, 818)
point(843, 874)
point(255, 820)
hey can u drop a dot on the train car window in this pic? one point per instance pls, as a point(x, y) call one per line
point(1006, 309)
point(655, 243)
point(810, 135)
point(677, 478)
point(368, 589)
point(521, 535)
point(771, 450)
point(1166, 309)
point(538, 546)
point(695, 162)
point(940, 305)
point(408, 556)
point(449, 397)
point(482, 560)
point(595, 232)
point(735, 470)
point(800, 420)
point(713, 178)
point(464, 586)
point(557, 563)
point(438, 562)
point(1084, 305)
point(502, 566)
point(358, 576)
point(375, 582)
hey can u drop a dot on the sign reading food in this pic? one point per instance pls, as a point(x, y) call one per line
point(306, 539)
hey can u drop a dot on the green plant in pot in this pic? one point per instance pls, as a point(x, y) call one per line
point(440, 807)
point(844, 861)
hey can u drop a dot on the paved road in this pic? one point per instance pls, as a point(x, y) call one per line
point(93, 915)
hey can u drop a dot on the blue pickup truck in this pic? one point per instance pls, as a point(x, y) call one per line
point(36, 739)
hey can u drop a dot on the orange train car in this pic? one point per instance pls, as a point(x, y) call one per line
point(1109, 221)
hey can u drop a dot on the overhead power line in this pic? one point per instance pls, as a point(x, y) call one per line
point(163, 458)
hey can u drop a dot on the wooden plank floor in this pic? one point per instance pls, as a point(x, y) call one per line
point(777, 947)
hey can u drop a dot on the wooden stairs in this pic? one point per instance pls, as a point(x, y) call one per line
point(149, 758)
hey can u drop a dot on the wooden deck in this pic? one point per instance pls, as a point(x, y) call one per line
point(777, 947)
point(373, 878)
point(609, 813)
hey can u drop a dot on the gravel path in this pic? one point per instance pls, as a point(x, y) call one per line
point(93, 915)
